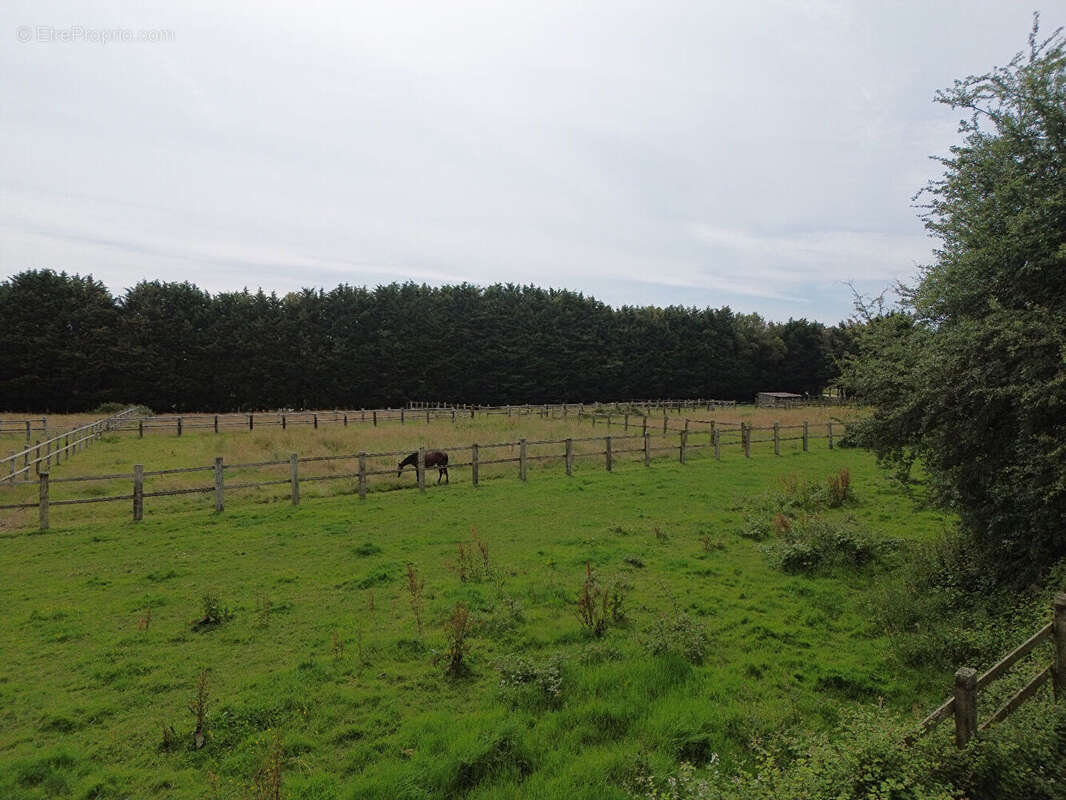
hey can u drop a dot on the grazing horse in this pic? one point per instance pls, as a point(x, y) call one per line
point(434, 458)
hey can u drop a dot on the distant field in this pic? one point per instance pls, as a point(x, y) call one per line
point(162, 449)
point(323, 650)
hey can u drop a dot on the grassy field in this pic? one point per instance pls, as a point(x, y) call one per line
point(323, 659)
point(117, 453)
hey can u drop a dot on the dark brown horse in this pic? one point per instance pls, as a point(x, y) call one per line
point(434, 458)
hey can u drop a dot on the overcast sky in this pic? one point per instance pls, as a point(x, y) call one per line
point(750, 154)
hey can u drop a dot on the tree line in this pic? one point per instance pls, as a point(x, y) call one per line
point(68, 345)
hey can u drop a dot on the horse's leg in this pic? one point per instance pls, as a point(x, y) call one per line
point(446, 478)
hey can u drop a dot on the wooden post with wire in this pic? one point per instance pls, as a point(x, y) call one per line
point(219, 486)
point(138, 492)
point(43, 500)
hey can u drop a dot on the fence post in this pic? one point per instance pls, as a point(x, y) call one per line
point(421, 465)
point(522, 459)
point(216, 423)
point(777, 438)
point(362, 476)
point(362, 415)
point(220, 497)
point(569, 456)
point(375, 418)
point(644, 425)
point(27, 432)
point(647, 449)
point(829, 433)
point(1058, 636)
point(138, 492)
point(453, 416)
point(37, 458)
point(294, 477)
point(745, 434)
point(684, 444)
point(716, 436)
point(965, 705)
point(664, 423)
point(805, 432)
point(316, 421)
point(43, 477)
point(427, 416)
point(179, 425)
point(251, 422)
point(610, 455)
point(140, 429)
point(473, 458)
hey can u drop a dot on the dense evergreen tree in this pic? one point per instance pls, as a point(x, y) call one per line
point(58, 336)
point(67, 345)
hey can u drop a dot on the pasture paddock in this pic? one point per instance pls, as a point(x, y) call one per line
point(322, 647)
point(330, 456)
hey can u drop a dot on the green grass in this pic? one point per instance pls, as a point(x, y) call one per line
point(85, 693)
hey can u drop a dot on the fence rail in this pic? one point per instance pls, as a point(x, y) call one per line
point(963, 702)
point(629, 411)
point(613, 446)
point(56, 448)
point(24, 425)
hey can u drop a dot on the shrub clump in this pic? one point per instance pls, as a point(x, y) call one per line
point(812, 544)
point(544, 678)
point(214, 612)
point(678, 633)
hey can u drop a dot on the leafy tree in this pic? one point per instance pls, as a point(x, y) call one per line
point(971, 376)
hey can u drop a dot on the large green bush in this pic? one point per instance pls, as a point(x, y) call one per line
point(970, 376)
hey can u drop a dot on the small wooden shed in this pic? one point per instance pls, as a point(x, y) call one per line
point(778, 399)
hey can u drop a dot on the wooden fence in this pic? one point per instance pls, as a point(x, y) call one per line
point(963, 702)
point(178, 424)
point(648, 446)
point(415, 413)
point(676, 405)
point(27, 426)
point(56, 449)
